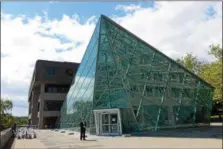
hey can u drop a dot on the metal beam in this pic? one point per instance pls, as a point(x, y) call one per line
point(164, 95)
point(195, 102)
point(144, 88)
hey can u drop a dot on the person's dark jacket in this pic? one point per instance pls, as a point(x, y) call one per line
point(82, 126)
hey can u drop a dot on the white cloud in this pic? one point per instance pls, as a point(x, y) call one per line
point(129, 8)
point(24, 40)
point(20, 111)
point(176, 28)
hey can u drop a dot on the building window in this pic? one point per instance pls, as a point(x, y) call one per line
point(158, 77)
point(159, 91)
point(134, 88)
point(52, 105)
point(149, 91)
point(49, 89)
point(56, 88)
point(174, 77)
point(69, 72)
point(51, 71)
point(175, 92)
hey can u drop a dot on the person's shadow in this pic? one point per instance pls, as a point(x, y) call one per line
point(90, 140)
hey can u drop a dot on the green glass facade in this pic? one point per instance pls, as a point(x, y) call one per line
point(119, 70)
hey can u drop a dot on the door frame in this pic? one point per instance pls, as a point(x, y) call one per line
point(98, 120)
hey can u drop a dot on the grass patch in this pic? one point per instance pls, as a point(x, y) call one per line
point(216, 116)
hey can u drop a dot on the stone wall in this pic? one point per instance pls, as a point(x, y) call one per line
point(6, 135)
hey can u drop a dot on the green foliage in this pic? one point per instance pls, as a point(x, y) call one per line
point(191, 62)
point(210, 72)
point(6, 118)
point(216, 51)
point(7, 121)
point(5, 106)
point(23, 120)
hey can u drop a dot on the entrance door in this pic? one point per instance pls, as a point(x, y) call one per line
point(114, 127)
point(105, 126)
point(108, 122)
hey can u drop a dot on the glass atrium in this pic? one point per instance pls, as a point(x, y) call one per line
point(124, 85)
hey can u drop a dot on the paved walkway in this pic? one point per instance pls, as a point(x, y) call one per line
point(52, 139)
point(27, 144)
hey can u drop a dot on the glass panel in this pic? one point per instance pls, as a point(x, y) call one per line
point(78, 104)
point(105, 128)
point(114, 128)
point(105, 119)
point(120, 71)
point(114, 118)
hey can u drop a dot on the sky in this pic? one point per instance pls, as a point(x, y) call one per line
point(60, 31)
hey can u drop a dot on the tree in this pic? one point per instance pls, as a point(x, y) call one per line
point(191, 63)
point(6, 118)
point(5, 106)
point(23, 120)
point(212, 72)
point(7, 121)
point(216, 51)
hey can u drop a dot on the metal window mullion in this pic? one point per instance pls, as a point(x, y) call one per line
point(164, 95)
point(109, 84)
point(145, 86)
point(195, 102)
point(181, 95)
point(106, 61)
point(123, 84)
point(129, 99)
point(139, 107)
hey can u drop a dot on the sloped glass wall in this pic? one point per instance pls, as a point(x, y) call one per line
point(152, 90)
point(78, 104)
point(120, 70)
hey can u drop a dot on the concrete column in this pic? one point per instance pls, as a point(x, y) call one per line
point(31, 108)
point(40, 124)
point(34, 104)
point(42, 88)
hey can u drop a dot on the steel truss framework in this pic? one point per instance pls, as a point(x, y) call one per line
point(119, 70)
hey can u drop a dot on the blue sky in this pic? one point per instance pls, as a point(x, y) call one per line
point(60, 31)
point(57, 9)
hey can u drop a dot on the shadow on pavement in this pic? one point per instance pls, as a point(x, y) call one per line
point(90, 140)
point(10, 144)
point(209, 132)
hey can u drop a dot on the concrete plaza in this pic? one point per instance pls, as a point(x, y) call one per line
point(187, 138)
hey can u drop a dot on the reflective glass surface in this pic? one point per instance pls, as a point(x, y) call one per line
point(121, 71)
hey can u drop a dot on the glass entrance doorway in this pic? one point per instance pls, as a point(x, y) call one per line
point(108, 122)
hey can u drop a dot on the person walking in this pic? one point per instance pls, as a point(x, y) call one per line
point(85, 127)
point(82, 131)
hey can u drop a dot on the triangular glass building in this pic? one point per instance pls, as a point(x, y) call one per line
point(124, 85)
